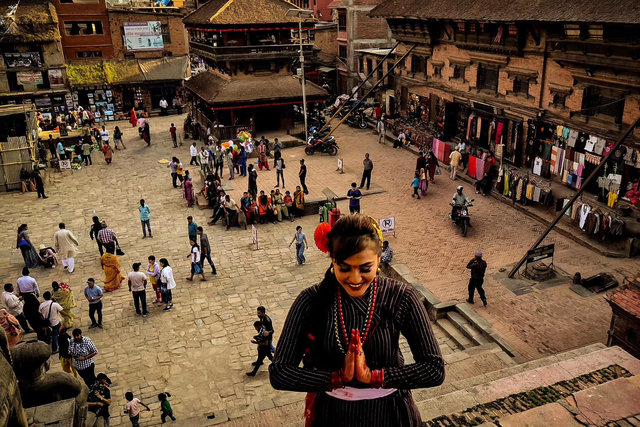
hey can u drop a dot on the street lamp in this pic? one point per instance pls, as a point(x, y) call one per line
point(302, 15)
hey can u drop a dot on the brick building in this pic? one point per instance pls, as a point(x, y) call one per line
point(542, 87)
point(148, 61)
point(320, 8)
point(32, 69)
point(84, 26)
point(250, 50)
point(357, 29)
point(624, 330)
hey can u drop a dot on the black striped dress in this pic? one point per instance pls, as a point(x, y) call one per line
point(399, 310)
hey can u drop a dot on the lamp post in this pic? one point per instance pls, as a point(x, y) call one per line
point(305, 15)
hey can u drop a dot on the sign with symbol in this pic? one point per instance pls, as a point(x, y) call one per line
point(388, 225)
point(254, 233)
point(65, 164)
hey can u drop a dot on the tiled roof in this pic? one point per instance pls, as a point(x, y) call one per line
point(628, 299)
point(609, 11)
point(241, 12)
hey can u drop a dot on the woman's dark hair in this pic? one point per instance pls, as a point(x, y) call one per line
point(21, 228)
point(164, 262)
point(96, 220)
point(55, 286)
point(352, 234)
point(110, 247)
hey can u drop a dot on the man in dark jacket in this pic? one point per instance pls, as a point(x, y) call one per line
point(477, 266)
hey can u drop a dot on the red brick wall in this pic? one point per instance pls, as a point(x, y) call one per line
point(178, 45)
point(84, 12)
point(368, 28)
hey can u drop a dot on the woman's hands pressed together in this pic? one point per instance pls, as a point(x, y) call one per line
point(355, 363)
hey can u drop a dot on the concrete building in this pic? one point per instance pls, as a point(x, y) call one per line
point(320, 8)
point(251, 53)
point(33, 69)
point(356, 30)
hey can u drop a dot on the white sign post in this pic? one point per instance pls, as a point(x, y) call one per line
point(388, 225)
point(340, 165)
point(254, 233)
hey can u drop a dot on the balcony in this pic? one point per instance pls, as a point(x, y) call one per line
point(259, 52)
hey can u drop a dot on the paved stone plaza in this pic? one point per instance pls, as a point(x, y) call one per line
point(200, 351)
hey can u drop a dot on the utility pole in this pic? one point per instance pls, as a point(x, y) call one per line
point(302, 14)
point(302, 76)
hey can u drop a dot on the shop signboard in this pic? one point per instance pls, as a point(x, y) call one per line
point(538, 254)
point(45, 101)
point(29, 78)
point(140, 36)
point(23, 59)
point(56, 78)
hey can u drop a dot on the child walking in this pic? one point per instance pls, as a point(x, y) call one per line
point(165, 406)
point(132, 409)
point(416, 184)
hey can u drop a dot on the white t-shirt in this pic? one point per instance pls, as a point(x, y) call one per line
point(193, 150)
point(164, 103)
point(195, 254)
point(537, 166)
point(166, 275)
point(105, 135)
point(55, 312)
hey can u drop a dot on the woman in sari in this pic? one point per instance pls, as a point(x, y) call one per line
point(108, 153)
point(11, 326)
point(298, 201)
point(432, 163)
point(424, 184)
point(29, 254)
point(188, 190)
point(63, 295)
point(112, 271)
point(133, 118)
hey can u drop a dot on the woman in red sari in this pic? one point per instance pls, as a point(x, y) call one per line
point(346, 332)
point(133, 118)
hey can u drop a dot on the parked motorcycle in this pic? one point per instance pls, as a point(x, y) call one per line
point(461, 216)
point(315, 145)
point(357, 119)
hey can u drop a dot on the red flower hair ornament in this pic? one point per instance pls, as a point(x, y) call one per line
point(321, 236)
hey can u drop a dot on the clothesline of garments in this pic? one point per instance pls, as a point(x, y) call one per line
point(523, 189)
point(441, 150)
point(477, 166)
point(495, 132)
point(595, 221)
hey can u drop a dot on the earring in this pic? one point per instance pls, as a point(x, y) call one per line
point(331, 270)
point(379, 271)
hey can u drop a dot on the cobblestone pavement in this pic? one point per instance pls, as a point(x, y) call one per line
point(200, 350)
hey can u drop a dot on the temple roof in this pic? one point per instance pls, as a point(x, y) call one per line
point(216, 88)
point(604, 11)
point(241, 12)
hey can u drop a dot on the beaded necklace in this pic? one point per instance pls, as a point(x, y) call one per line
point(339, 317)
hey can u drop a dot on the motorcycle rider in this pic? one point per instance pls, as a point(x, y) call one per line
point(459, 199)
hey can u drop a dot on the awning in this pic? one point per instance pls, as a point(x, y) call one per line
point(217, 89)
point(128, 71)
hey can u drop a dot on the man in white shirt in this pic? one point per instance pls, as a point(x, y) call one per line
point(231, 208)
point(104, 134)
point(137, 286)
point(163, 107)
point(27, 284)
point(194, 154)
point(50, 310)
point(14, 306)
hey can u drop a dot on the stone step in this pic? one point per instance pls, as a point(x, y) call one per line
point(459, 395)
point(467, 328)
point(456, 334)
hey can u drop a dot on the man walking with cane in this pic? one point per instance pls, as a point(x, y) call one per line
point(478, 266)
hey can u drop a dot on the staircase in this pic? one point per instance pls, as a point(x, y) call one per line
point(491, 395)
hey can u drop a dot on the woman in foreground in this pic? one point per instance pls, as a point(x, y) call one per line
point(346, 331)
